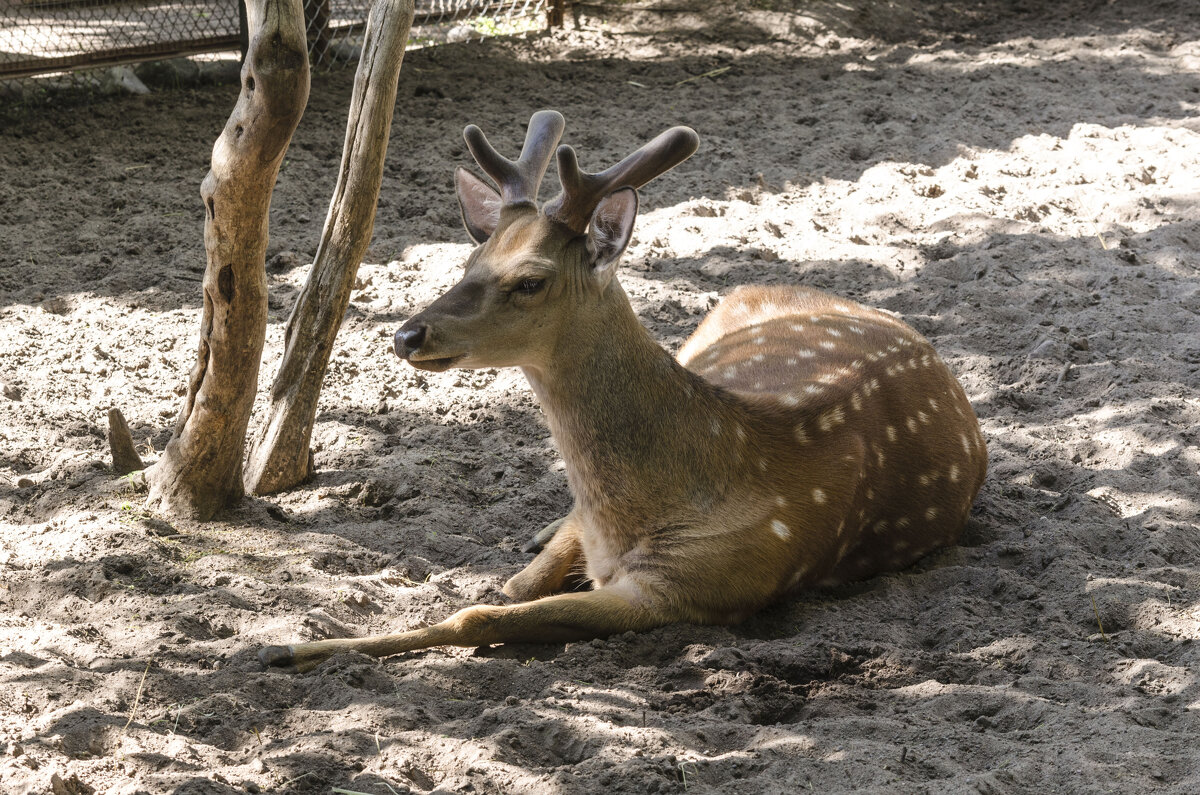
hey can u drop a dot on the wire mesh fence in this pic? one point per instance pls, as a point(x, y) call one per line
point(57, 37)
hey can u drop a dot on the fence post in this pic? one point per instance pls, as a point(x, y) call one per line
point(555, 14)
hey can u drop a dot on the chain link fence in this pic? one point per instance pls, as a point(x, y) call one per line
point(49, 40)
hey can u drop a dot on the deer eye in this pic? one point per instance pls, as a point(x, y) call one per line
point(529, 286)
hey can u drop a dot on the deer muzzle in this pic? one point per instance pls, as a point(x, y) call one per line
point(411, 344)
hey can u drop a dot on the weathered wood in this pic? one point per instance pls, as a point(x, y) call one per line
point(280, 458)
point(200, 471)
point(120, 444)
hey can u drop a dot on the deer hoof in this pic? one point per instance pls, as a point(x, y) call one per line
point(276, 657)
point(542, 537)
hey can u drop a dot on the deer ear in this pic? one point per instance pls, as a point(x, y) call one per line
point(610, 229)
point(480, 205)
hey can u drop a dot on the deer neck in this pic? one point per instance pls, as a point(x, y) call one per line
point(638, 432)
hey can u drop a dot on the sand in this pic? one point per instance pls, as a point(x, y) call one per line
point(1019, 184)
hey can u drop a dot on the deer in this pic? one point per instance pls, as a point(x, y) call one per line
point(798, 440)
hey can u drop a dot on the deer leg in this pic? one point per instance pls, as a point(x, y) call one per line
point(620, 607)
point(550, 570)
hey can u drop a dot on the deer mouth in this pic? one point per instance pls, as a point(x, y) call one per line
point(435, 365)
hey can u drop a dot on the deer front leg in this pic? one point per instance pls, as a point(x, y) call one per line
point(561, 560)
point(622, 606)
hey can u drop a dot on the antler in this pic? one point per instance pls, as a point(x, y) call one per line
point(519, 181)
point(582, 192)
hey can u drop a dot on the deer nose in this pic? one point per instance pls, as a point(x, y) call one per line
point(409, 340)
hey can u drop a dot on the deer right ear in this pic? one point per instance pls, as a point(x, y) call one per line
point(480, 204)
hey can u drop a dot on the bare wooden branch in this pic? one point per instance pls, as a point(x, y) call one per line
point(280, 458)
point(201, 469)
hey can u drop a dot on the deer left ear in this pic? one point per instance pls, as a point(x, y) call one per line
point(610, 229)
point(480, 205)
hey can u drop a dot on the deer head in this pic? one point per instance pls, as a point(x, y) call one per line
point(533, 271)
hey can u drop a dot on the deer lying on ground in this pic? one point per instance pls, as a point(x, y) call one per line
point(798, 440)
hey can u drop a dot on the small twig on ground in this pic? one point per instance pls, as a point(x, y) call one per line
point(1096, 610)
point(291, 781)
point(1062, 374)
point(137, 698)
point(710, 73)
point(1009, 271)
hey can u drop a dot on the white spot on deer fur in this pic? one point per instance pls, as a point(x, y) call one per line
point(792, 361)
point(901, 341)
point(828, 345)
point(806, 354)
point(927, 360)
point(758, 357)
point(758, 386)
point(931, 512)
point(933, 404)
point(923, 417)
point(890, 372)
point(762, 464)
point(832, 418)
point(833, 332)
point(855, 329)
point(893, 349)
point(759, 340)
point(818, 496)
point(797, 327)
point(716, 428)
point(729, 372)
point(857, 364)
point(953, 474)
point(781, 529)
point(813, 389)
point(802, 435)
point(840, 307)
point(827, 378)
point(903, 522)
point(880, 526)
point(891, 433)
point(741, 433)
point(791, 401)
point(912, 425)
point(874, 384)
point(855, 401)
point(966, 444)
point(780, 501)
point(880, 457)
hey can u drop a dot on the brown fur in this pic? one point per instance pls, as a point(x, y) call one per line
point(800, 439)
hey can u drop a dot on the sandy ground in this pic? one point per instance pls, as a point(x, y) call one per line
point(1020, 185)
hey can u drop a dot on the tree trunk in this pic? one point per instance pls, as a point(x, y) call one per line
point(200, 471)
point(280, 458)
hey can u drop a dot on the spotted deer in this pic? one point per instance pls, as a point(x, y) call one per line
point(799, 439)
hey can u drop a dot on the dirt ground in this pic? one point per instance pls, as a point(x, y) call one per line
point(1020, 184)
